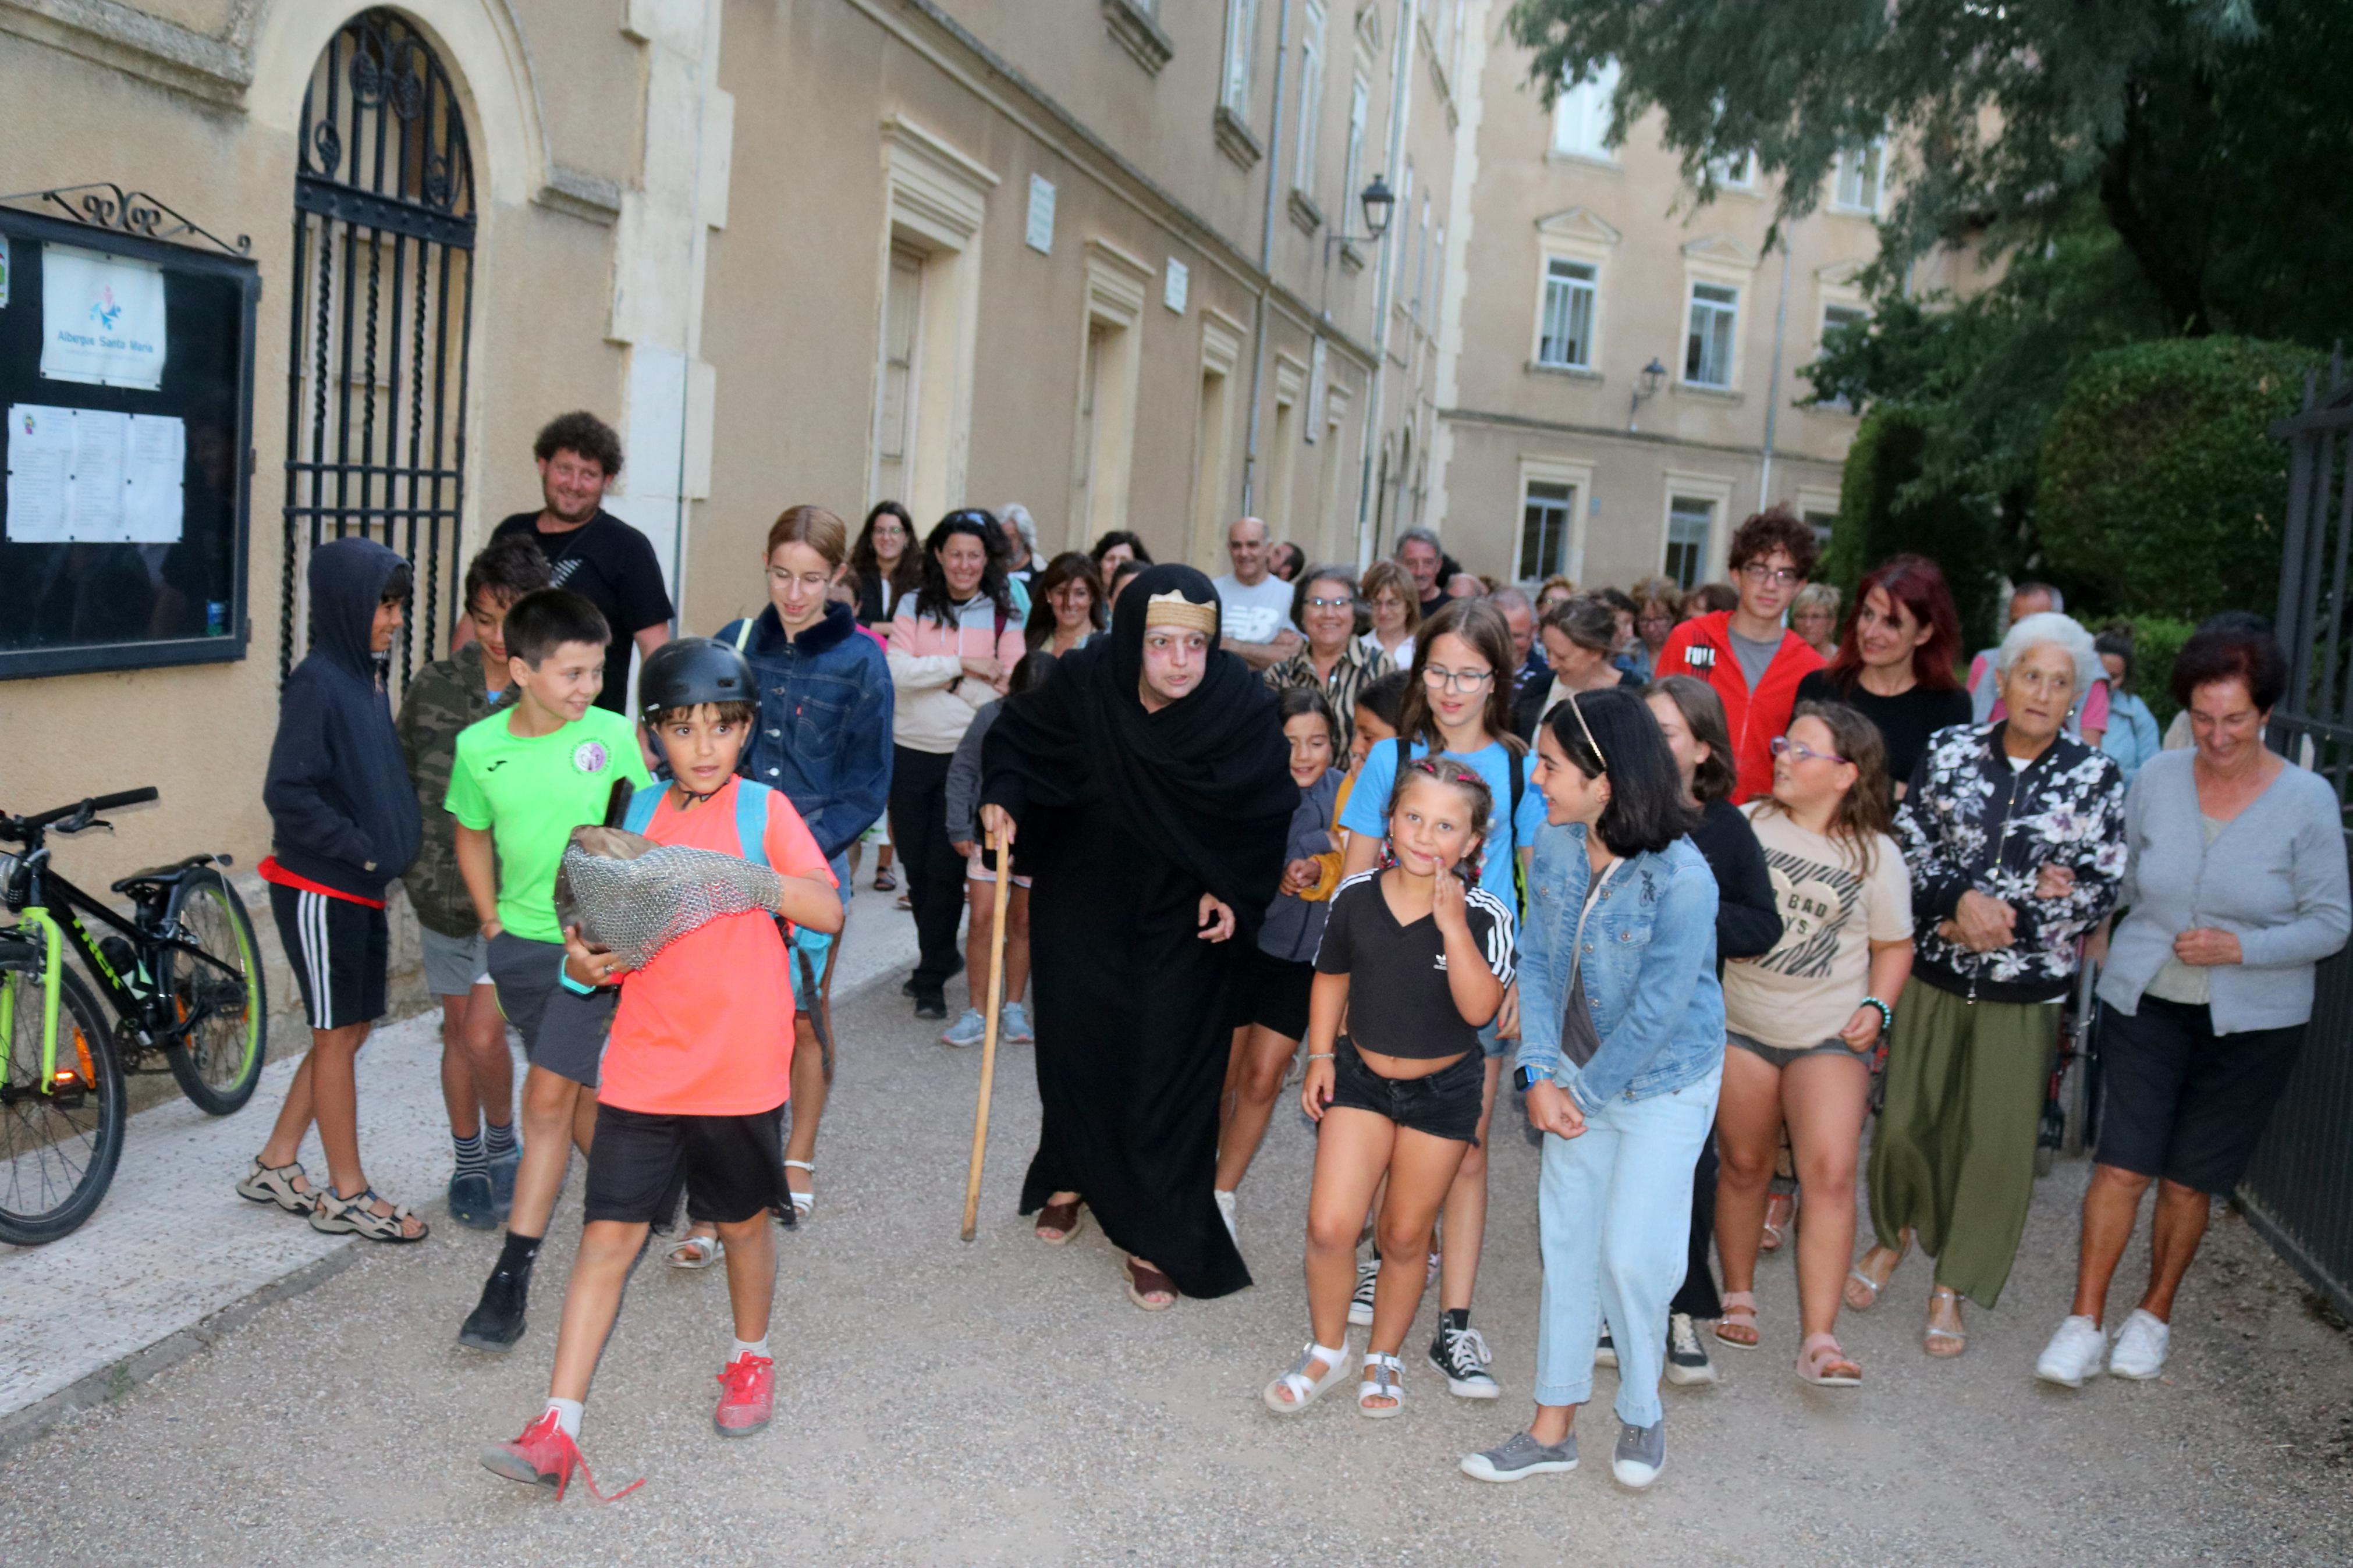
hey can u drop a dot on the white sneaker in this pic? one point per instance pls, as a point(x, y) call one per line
point(2073, 1353)
point(1226, 1212)
point(2139, 1352)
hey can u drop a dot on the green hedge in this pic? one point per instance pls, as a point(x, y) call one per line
point(1874, 521)
point(2159, 492)
point(2156, 642)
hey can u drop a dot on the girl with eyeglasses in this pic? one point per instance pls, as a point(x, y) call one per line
point(1458, 704)
point(1805, 1019)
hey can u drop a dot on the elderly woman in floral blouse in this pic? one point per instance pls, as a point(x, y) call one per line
point(2013, 833)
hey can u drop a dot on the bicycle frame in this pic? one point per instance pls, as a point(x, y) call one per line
point(52, 892)
point(52, 985)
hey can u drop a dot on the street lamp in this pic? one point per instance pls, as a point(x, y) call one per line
point(1378, 201)
point(1654, 376)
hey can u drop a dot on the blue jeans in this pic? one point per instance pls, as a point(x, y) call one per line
point(1614, 1209)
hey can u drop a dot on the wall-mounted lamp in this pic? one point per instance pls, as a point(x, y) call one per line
point(1654, 376)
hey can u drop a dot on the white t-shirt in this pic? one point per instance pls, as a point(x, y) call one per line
point(1254, 614)
point(1401, 654)
point(1803, 992)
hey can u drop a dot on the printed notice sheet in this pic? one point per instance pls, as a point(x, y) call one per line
point(87, 476)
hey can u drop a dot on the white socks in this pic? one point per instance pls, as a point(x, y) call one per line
point(749, 1347)
point(567, 1414)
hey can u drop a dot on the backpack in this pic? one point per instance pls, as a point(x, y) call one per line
point(809, 948)
point(750, 817)
point(1511, 818)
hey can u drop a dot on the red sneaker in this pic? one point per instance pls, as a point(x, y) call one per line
point(546, 1456)
point(748, 1395)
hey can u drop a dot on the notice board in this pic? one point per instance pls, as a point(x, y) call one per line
point(126, 381)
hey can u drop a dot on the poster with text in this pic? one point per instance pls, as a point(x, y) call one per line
point(102, 318)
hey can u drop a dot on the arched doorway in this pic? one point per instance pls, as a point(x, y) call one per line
point(383, 281)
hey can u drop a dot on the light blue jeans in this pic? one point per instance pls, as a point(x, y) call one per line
point(1614, 1209)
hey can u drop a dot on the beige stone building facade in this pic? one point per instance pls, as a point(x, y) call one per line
point(1586, 264)
point(1103, 258)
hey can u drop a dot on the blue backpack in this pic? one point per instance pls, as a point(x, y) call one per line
point(752, 831)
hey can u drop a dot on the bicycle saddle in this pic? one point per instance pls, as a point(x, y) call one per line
point(161, 876)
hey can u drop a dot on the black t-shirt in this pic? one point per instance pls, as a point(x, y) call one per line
point(1904, 722)
point(1399, 1004)
point(611, 565)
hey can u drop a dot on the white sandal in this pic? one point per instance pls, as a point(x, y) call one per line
point(695, 1252)
point(1386, 1382)
point(1303, 1390)
point(275, 1184)
point(802, 1202)
point(334, 1215)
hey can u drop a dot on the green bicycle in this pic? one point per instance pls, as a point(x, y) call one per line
point(183, 975)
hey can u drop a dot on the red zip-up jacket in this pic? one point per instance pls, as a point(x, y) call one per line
point(1703, 647)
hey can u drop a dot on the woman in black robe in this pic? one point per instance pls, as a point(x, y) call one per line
point(1147, 786)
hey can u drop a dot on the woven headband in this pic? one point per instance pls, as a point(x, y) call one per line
point(1174, 609)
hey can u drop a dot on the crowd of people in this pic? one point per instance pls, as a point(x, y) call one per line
point(1720, 880)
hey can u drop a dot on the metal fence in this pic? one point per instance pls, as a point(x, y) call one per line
point(2299, 1191)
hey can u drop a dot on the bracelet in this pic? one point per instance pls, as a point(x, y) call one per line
point(1319, 1055)
point(1886, 1013)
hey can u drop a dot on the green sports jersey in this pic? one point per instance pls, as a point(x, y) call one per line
point(531, 794)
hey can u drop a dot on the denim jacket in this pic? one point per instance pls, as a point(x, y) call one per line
point(1649, 970)
point(825, 721)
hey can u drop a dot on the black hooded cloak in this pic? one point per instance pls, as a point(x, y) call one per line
point(1125, 819)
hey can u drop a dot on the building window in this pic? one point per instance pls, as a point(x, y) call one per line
point(1580, 115)
point(1690, 521)
point(1861, 178)
point(1241, 32)
point(1546, 509)
point(1360, 98)
point(895, 401)
point(1566, 336)
point(1311, 102)
point(1734, 171)
point(1714, 317)
point(1833, 317)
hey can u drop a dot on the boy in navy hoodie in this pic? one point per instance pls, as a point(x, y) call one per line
point(344, 823)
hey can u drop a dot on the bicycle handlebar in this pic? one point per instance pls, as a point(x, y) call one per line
point(87, 808)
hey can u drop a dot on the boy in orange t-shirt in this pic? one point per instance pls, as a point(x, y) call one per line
point(691, 1097)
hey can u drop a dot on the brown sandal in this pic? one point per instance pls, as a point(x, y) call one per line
point(1063, 1218)
point(1145, 1282)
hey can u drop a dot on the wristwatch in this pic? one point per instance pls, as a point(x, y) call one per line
point(1525, 1079)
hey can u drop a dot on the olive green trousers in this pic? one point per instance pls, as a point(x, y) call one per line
point(1953, 1158)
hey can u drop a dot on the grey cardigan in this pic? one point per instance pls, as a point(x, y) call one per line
point(2275, 877)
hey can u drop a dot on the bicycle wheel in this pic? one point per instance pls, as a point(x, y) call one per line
point(218, 1061)
point(58, 1152)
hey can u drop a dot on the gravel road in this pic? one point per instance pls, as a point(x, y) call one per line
point(1002, 1403)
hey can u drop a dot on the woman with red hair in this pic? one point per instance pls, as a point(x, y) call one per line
point(1896, 663)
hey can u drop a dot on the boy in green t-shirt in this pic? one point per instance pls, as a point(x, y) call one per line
point(521, 781)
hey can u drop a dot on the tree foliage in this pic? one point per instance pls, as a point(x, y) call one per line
point(2160, 492)
point(2214, 136)
point(1884, 511)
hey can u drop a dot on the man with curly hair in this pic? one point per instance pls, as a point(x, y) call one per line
point(590, 552)
point(1752, 661)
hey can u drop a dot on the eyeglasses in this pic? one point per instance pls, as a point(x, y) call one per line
point(1330, 603)
point(1437, 676)
point(1780, 577)
point(1798, 751)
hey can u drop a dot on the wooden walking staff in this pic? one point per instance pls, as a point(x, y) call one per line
point(988, 1040)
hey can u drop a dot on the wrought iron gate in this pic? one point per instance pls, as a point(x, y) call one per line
point(383, 283)
point(2299, 1191)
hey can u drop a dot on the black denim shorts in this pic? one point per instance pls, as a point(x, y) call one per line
point(1446, 1104)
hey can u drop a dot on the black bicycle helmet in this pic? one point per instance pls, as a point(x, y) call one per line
point(686, 672)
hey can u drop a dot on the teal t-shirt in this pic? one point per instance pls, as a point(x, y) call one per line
point(530, 793)
point(1508, 831)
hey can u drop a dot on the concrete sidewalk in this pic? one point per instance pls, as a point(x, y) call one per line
point(174, 1258)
